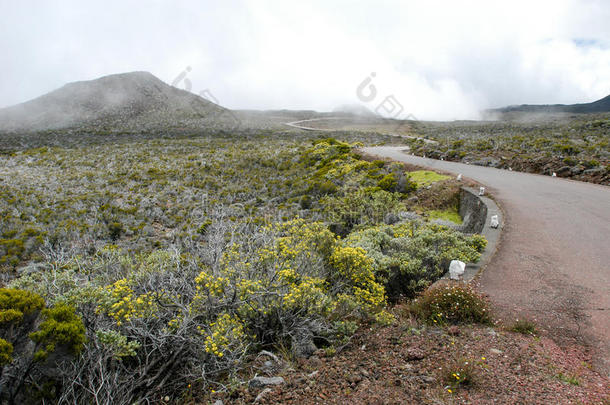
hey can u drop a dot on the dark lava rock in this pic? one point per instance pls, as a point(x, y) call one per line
point(487, 161)
point(415, 353)
point(593, 172)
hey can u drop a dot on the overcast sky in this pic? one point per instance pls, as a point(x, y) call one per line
point(439, 59)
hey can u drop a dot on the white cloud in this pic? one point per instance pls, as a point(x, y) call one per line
point(440, 59)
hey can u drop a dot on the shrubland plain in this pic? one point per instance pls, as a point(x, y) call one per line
point(139, 268)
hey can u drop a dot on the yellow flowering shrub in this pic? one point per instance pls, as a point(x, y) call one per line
point(354, 265)
point(299, 274)
point(309, 293)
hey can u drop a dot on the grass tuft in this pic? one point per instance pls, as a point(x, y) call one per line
point(569, 379)
point(523, 326)
point(450, 214)
point(458, 373)
point(426, 177)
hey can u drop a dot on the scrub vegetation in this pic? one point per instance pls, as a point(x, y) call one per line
point(147, 266)
point(576, 147)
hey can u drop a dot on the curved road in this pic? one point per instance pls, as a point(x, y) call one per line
point(553, 263)
point(295, 124)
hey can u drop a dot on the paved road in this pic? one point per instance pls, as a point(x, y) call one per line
point(553, 263)
point(296, 124)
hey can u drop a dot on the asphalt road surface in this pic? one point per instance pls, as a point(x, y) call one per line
point(553, 263)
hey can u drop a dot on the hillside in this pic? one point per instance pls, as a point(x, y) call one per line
point(602, 105)
point(127, 101)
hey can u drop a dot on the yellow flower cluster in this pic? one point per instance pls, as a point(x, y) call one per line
point(246, 288)
point(125, 304)
point(309, 293)
point(402, 230)
point(213, 285)
point(226, 332)
point(353, 264)
point(174, 324)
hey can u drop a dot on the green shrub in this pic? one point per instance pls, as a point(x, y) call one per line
point(362, 207)
point(457, 143)
point(566, 148)
point(451, 304)
point(204, 227)
point(570, 161)
point(11, 251)
point(409, 256)
point(6, 352)
point(61, 326)
point(478, 242)
point(589, 164)
point(483, 144)
point(325, 187)
point(305, 202)
point(115, 229)
point(388, 182)
point(117, 343)
point(16, 304)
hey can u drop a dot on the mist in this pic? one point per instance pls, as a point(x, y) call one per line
point(429, 60)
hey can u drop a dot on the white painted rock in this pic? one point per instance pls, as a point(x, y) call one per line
point(459, 177)
point(494, 221)
point(456, 269)
point(554, 174)
point(481, 190)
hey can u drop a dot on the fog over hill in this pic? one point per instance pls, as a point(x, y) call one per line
point(128, 101)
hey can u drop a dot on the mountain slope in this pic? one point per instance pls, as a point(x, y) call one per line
point(602, 105)
point(127, 101)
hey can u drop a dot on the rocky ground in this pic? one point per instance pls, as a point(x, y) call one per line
point(408, 363)
point(546, 165)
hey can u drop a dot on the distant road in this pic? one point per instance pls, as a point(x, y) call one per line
point(553, 264)
point(296, 124)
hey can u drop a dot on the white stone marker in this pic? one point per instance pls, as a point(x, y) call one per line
point(459, 177)
point(481, 190)
point(494, 221)
point(456, 269)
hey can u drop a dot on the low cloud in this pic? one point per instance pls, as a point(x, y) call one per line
point(437, 60)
